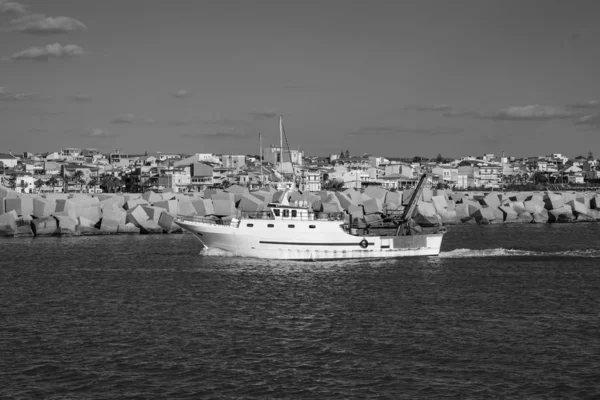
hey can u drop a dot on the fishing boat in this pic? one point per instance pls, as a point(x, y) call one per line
point(295, 232)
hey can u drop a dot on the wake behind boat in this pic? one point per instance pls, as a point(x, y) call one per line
point(292, 232)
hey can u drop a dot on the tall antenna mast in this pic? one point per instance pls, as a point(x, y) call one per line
point(281, 145)
point(261, 157)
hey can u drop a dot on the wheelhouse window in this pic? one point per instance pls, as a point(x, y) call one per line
point(294, 213)
point(286, 213)
point(276, 212)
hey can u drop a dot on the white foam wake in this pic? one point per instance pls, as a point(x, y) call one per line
point(501, 252)
point(214, 252)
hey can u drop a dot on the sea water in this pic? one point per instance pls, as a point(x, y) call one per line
point(506, 310)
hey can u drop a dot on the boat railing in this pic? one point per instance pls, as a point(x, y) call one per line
point(208, 220)
point(293, 215)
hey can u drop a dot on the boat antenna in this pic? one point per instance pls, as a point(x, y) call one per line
point(261, 157)
point(288, 147)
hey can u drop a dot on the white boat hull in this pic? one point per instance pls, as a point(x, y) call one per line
point(307, 240)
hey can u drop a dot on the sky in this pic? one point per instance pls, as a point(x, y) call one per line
point(388, 78)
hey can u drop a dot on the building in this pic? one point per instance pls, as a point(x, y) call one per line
point(233, 161)
point(273, 155)
point(8, 160)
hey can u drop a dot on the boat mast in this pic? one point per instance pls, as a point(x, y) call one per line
point(412, 204)
point(281, 146)
point(261, 157)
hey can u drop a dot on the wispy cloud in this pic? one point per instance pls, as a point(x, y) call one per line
point(267, 114)
point(80, 98)
point(460, 113)
point(586, 105)
point(398, 130)
point(7, 95)
point(590, 120)
point(39, 24)
point(180, 122)
point(181, 94)
point(129, 118)
point(532, 112)
point(423, 107)
point(124, 119)
point(100, 133)
point(50, 51)
point(12, 7)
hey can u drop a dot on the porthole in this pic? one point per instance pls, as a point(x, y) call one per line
point(291, 226)
point(270, 226)
point(312, 226)
point(249, 225)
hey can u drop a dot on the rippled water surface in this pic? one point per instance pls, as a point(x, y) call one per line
point(509, 311)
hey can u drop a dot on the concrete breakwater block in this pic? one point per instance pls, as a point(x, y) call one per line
point(553, 201)
point(426, 209)
point(561, 214)
point(486, 214)
point(24, 226)
point(344, 200)
point(136, 216)
point(43, 207)
point(356, 211)
point(265, 197)
point(223, 207)
point(247, 203)
point(117, 214)
point(203, 207)
point(168, 205)
point(449, 217)
point(508, 214)
point(151, 196)
point(372, 206)
point(150, 227)
point(524, 217)
point(128, 228)
point(8, 223)
point(45, 226)
point(135, 202)
point(167, 223)
point(21, 205)
point(462, 212)
point(331, 208)
point(66, 225)
point(153, 213)
point(185, 207)
point(440, 203)
point(540, 217)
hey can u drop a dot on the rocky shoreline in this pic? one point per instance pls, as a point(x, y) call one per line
point(26, 215)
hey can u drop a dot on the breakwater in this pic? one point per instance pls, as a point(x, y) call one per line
point(155, 213)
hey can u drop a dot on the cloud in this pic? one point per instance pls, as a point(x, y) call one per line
point(590, 120)
point(181, 122)
point(12, 7)
point(6, 95)
point(39, 24)
point(435, 107)
point(100, 133)
point(129, 118)
point(532, 112)
point(80, 98)
point(55, 50)
point(586, 105)
point(460, 113)
point(268, 114)
point(397, 130)
point(124, 119)
point(181, 94)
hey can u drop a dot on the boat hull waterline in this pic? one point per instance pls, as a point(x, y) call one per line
point(306, 240)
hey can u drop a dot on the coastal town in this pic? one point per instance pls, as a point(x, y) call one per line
point(76, 170)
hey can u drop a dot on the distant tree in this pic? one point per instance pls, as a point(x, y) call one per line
point(145, 154)
point(347, 154)
point(590, 156)
point(52, 182)
point(12, 182)
point(439, 159)
point(342, 154)
point(464, 163)
point(38, 184)
point(92, 183)
point(78, 178)
point(416, 159)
